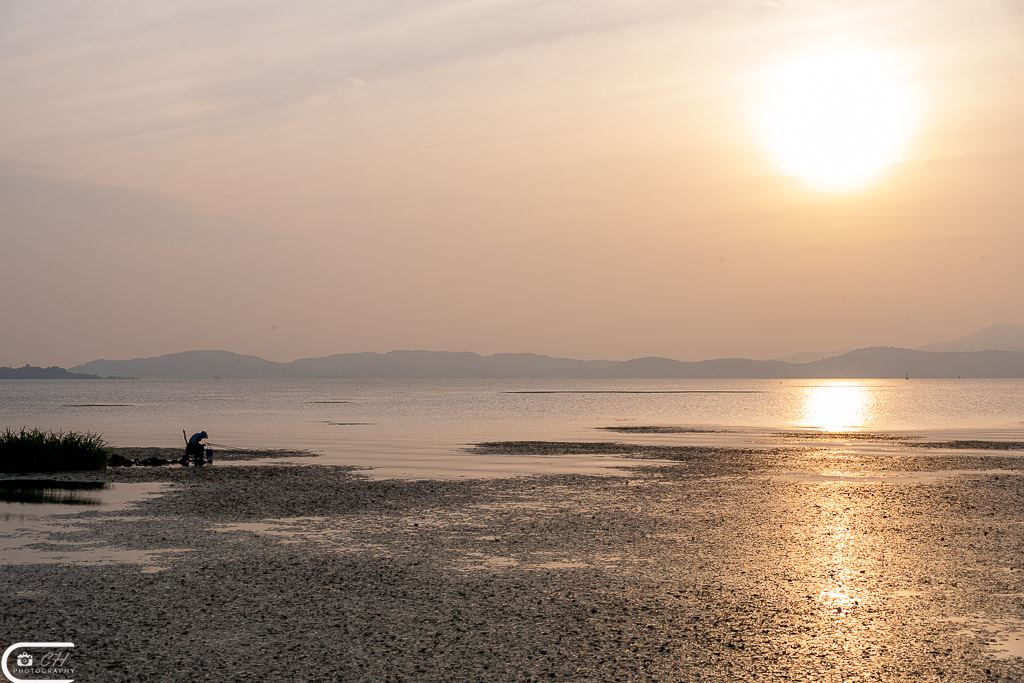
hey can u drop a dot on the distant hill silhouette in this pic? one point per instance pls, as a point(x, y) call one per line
point(444, 364)
point(723, 368)
point(810, 356)
point(392, 365)
point(883, 361)
point(190, 365)
point(1000, 337)
point(875, 362)
point(33, 372)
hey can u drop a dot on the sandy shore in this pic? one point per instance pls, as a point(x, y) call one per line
point(727, 565)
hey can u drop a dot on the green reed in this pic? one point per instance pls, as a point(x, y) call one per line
point(34, 450)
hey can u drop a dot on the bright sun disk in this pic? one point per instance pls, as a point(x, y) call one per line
point(837, 118)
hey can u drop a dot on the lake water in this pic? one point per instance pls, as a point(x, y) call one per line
point(420, 428)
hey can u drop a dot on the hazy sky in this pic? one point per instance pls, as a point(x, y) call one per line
point(585, 178)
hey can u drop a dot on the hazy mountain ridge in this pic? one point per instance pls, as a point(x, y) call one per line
point(440, 364)
point(809, 356)
point(998, 337)
point(874, 362)
point(190, 365)
point(885, 361)
point(367, 365)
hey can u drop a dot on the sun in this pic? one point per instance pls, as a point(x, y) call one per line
point(836, 118)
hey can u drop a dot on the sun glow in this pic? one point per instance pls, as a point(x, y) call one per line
point(836, 118)
point(837, 406)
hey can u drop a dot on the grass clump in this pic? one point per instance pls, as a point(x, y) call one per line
point(34, 450)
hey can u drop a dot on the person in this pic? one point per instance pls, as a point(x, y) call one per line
point(194, 447)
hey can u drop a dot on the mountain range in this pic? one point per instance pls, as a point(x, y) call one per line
point(1003, 336)
point(995, 352)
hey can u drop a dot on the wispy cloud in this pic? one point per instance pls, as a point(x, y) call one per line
point(120, 68)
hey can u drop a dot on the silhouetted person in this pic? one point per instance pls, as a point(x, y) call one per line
point(194, 447)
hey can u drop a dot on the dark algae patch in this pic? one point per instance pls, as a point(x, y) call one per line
point(97, 405)
point(627, 391)
point(808, 435)
point(973, 445)
point(662, 430)
point(699, 461)
point(843, 436)
point(604, 448)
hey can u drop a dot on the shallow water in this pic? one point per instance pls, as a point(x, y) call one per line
point(416, 429)
point(104, 497)
point(38, 533)
point(44, 491)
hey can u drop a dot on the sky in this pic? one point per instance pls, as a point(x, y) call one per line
point(588, 179)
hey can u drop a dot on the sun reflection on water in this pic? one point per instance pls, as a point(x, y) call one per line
point(835, 552)
point(837, 406)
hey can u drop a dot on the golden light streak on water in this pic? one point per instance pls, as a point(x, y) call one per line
point(837, 406)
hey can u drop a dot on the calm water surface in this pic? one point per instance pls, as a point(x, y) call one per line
point(411, 428)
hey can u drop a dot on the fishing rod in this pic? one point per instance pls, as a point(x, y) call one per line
point(218, 445)
point(226, 447)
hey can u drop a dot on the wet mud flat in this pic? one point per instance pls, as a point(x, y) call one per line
point(220, 454)
point(705, 565)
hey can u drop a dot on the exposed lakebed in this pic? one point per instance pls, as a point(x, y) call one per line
point(710, 563)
